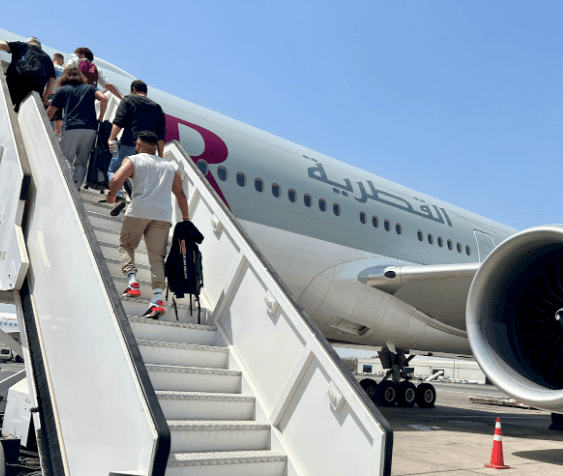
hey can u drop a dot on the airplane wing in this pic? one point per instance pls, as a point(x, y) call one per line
point(439, 291)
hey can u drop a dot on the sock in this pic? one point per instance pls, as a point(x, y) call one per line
point(156, 295)
point(132, 277)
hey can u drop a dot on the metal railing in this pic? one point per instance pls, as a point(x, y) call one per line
point(98, 410)
point(319, 413)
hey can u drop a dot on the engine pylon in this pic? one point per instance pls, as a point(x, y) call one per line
point(497, 459)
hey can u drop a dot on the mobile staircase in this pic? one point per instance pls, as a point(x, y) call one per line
point(253, 390)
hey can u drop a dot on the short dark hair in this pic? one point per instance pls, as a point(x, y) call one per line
point(139, 86)
point(148, 137)
point(58, 56)
point(86, 52)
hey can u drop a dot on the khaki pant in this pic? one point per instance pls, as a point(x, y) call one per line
point(155, 233)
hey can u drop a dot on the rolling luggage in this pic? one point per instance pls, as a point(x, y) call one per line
point(97, 173)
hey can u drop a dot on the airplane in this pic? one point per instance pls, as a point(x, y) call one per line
point(377, 265)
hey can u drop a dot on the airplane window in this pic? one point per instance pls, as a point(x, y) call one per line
point(322, 204)
point(222, 173)
point(241, 179)
point(363, 218)
point(307, 199)
point(459, 247)
point(450, 245)
point(374, 221)
point(440, 242)
point(420, 235)
point(258, 184)
point(468, 250)
point(276, 190)
point(398, 228)
point(292, 195)
point(430, 238)
point(202, 166)
point(336, 209)
point(387, 225)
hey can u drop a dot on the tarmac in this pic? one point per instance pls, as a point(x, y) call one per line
point(456, 437)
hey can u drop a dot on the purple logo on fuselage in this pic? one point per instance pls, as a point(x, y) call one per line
point(214, 152)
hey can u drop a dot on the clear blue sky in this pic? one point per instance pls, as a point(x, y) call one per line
point(459, 100)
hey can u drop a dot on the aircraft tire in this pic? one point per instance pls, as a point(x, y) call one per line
point(425, 395)
point(406, 394)
point(387, 393)
point(367, 383)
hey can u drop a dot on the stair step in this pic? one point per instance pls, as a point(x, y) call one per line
point(111, 250)
point(205, 406)
point(172, 331)
point(138, 306)
point(105, 220)
point(96, 206)
point(114, 265)
point(194, 379)
point(231, 463)
point(189, 355)
point(214, 435)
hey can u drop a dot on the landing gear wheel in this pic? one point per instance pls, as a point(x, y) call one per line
point(425, 395)
point(367, 383)
point(387, 393)
point(406, 394)
point(370, 386)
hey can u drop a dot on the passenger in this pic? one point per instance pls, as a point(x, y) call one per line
point(31, 69)
point(148, 214)
point(135, 113)
point(83, 59)
point(77, 100)
point(58, 62)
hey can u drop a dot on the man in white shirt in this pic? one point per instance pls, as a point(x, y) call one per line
point(149, 214)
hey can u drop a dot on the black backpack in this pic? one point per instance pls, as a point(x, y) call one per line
point(35, 65)
point(183, 266)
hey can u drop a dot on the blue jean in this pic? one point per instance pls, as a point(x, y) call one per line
point(124, 151)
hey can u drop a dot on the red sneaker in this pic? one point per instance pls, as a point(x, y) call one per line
point(132, 291)
point(155, 310)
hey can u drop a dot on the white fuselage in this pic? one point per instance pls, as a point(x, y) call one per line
point(321, 222)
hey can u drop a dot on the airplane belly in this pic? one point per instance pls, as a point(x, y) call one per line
point(324, 278)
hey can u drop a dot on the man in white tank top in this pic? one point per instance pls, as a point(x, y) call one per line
point(148, 214)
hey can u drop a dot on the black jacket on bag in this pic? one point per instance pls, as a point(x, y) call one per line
point(179, 267)
point(137, 113)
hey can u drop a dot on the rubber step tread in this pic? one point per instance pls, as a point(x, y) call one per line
point(224, 457)
point(203, 396)
point(137, 265)
point(192, 370)
point(105, 216)
point(116, 246)
point(216, 425)
point(181, 345)
point(183, 325)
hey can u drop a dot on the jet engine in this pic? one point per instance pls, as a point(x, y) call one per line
point(515, 317)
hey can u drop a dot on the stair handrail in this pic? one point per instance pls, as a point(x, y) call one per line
point(153, 456)
point(194, 172)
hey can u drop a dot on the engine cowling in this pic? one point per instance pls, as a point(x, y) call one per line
point(515, 317)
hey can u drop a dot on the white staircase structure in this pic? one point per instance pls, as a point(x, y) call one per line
point(253, 390)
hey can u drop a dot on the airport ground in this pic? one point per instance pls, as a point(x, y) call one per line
point(456, 437)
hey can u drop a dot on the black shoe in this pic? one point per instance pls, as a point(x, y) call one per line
point(120, 205)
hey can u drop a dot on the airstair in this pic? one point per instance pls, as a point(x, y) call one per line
point(254, 389)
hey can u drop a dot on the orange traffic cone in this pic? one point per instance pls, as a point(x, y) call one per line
point(497, 460)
